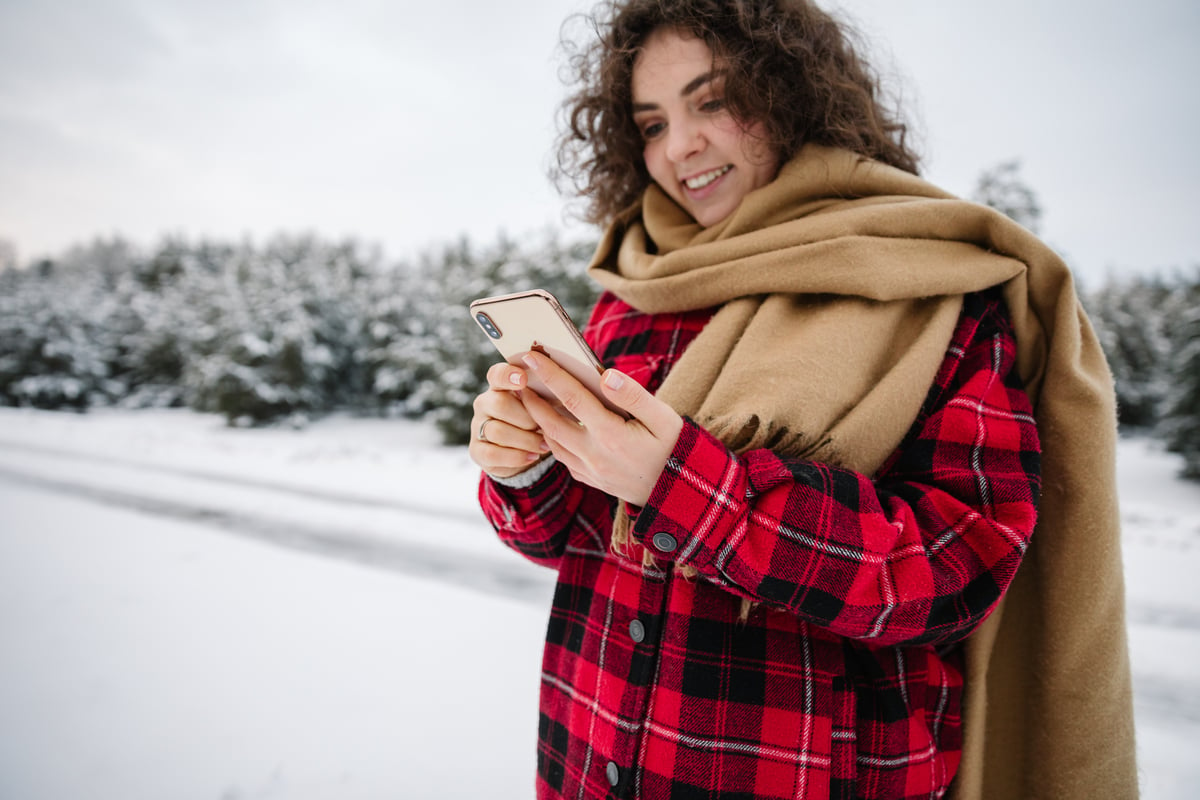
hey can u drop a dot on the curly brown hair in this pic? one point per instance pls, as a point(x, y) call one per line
point(788, 65)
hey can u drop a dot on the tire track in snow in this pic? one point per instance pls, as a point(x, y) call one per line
point(248, 482)
point(516, 580)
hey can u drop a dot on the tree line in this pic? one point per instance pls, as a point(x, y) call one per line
point(299, 327)
point(283, 332)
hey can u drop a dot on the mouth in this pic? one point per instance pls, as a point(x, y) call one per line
point(698, 182)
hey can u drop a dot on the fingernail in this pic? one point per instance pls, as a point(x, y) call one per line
point(545, 448)
point(613, 379)
point(515, 379)
point(530, 361)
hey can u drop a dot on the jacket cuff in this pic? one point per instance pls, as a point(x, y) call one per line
point(526, 479)
point(697, 495)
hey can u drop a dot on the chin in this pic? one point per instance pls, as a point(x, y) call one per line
point(709, 217)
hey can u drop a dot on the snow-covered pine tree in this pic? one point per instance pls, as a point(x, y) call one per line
point(397, 332)
point(454, 361)
point(1181, 418)
point(52, 328)
point(1003, 188)
point(1132, 320)
point(284, 332)
point(151, 317)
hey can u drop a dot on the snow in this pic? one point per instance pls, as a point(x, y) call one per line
point(190, 610)
point(152, 660)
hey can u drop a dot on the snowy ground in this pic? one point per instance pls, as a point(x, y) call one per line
point(192, 611)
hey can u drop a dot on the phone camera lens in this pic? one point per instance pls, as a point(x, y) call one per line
point(488, 326)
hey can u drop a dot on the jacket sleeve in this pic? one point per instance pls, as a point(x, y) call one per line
point(919, 554)
point(537, 519)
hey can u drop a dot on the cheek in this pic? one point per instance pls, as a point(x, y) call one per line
point(658, 167)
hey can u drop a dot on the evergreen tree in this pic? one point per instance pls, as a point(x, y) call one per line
point(147, 323)
point(1181, 419)
point(283, 333)
point(1132, 320)
point(1003, 188)
point(8, 255)
point(396, 330)
point(454, 359)
point(54, 352)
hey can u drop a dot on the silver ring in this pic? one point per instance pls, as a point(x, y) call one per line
point(481, 436)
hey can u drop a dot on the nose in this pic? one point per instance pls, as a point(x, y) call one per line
point(684, 140)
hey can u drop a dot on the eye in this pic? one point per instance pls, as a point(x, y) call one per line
point(653, 129)
point(712, 106)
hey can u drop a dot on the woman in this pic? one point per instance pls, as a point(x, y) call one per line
point(844, 387)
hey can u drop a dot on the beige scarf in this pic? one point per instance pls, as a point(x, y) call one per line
point(839, 286)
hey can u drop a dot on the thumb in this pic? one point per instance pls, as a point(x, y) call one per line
point(658, 417)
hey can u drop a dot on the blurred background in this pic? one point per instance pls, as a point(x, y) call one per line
point(243, 235)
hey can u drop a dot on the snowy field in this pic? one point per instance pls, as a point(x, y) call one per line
point(194, 612)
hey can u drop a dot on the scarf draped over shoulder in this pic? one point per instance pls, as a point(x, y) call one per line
point(837, 287)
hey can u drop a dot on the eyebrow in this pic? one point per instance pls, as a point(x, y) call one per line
point(693, 85)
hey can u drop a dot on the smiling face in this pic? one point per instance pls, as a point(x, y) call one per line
point(695, 150)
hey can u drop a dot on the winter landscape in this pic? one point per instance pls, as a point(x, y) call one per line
point(191, 610)
point(221, 221)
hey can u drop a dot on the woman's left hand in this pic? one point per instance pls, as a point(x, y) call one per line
point(622, 457)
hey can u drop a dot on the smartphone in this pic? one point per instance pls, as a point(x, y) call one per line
point(535, 320)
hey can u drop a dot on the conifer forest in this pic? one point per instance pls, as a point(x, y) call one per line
point(285, 331)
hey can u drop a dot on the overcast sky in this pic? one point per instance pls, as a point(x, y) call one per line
point(406, 124)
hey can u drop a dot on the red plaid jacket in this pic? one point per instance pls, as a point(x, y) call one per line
point(846, 680)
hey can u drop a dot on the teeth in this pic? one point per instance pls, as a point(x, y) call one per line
point(700, 181)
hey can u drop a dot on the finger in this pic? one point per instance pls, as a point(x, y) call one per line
point(502, 462)
point(506, 406)
point(506, 377)
point(571, 394)
point(500, 458)
point(552, 423)
point(658, 417)
point(499, 433)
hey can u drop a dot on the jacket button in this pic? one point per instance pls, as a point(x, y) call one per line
point(613, 773)
point(637, 631)
point(664, 542)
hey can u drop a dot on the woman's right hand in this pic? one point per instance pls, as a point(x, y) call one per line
point(505, 440)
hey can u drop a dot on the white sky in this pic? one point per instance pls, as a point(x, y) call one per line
point(406, 124)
